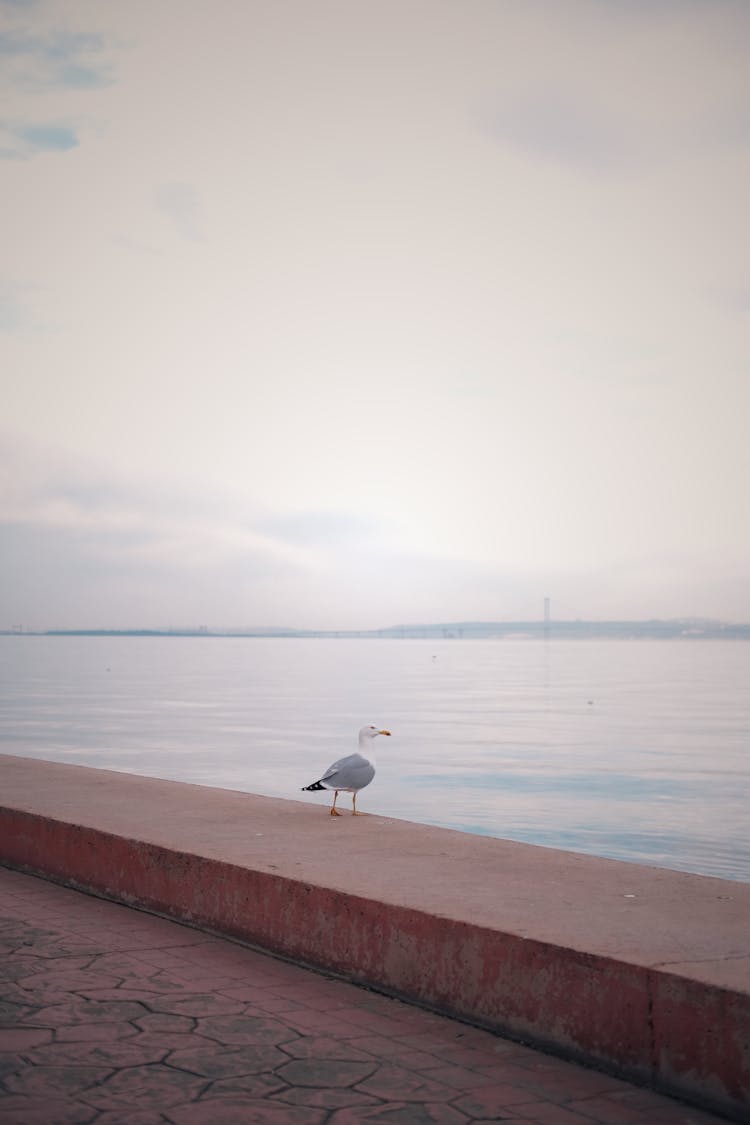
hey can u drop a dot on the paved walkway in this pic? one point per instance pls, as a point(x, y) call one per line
point(113, 1016)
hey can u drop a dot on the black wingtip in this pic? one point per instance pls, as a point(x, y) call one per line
point(315, 785)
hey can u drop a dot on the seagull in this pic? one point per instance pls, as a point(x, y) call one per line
point(350, 774)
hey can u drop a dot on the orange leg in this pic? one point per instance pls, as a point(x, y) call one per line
point(334, 810)
point(354, 806)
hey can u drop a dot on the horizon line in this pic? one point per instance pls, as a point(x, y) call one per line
point(679, 626)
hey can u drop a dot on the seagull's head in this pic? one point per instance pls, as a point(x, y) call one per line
point(371, 732)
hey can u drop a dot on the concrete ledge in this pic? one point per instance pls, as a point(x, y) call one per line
point(642, 971)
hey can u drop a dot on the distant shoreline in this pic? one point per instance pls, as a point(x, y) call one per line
point(680, 629)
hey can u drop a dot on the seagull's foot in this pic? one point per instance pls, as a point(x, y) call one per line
point(356, 812)
point(335, 812)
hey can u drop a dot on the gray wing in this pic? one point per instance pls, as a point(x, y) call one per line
point(352, 772)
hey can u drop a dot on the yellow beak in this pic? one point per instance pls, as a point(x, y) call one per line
point(385, 732)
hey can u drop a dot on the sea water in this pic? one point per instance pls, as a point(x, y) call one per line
point(637, 750)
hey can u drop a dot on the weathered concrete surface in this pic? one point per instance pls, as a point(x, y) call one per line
point(641, 970)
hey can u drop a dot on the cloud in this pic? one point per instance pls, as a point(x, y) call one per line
point(80, 545)
point(319, 528)
point(137, 541)
point(20, 307)
point(564, 130)
point(732, 295)
point(182, 204)
point(58, 60)
point(57, 63)
point(22, 142)
point(11, 310)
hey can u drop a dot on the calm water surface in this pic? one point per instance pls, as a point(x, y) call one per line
point(637, 750)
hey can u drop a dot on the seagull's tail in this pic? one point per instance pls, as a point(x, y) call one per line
point(315, 785)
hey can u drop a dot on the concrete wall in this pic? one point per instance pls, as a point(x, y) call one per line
point(642, 971)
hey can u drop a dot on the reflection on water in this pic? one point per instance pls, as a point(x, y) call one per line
point(635, 750)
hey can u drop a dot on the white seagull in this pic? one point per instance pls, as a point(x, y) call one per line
point(352, 773)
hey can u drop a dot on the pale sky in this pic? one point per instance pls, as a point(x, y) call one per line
point(319, 313)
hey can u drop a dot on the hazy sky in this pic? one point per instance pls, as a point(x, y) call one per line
point(362, 312)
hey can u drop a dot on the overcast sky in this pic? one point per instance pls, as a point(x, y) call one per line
point(319, 313)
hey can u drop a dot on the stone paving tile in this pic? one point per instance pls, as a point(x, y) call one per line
point(557, 1080)
point(395, 1083)
point(211, 959)
point(118, 994)
point(496, 1053)
point(384, 1048)
point(13, 1014)
point(245, 1112)
point(253, 1086)
point(212, 1061)
point(165, 1022)
point(611, 1111)
point(326, 1047)
point(545, 1113)
point(94, 1032)
point(66, 979)
point(334, 997)
point(244, 1029)
point(275, 1004)
point(63, 1081)
point(48, 1110)
point(459, 1077)
point(649, 1102)
point(402, 1113)
point(176, 981)
point(325, 1099)
point(141, 1021)
point(493, 1101)
point(171, 1040)
point(12, 971)
point(150, 1117)
point(152, 1086)
point(201, 1004)
point(116, 1054)
point(86, 1011)
point(250, 992)
point(326, 1072)
point(23, 1038)
point(381, 1024)
point(310, 1022)
point(10, 1063)
point(12, 992)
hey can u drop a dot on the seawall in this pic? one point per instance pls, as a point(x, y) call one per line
point(642, 971)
